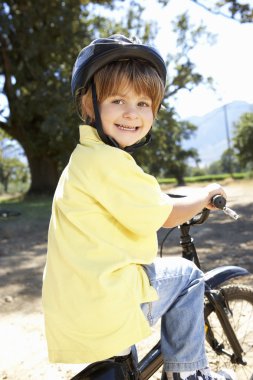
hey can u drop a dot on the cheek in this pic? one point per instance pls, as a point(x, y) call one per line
point(107, 114)
point(149, 117)
point(106, 110)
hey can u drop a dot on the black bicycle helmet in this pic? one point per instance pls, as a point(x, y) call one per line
point(101, 52)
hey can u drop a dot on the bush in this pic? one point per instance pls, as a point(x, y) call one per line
point(208, 178)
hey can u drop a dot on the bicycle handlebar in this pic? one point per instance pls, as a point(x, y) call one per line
point(219, 201)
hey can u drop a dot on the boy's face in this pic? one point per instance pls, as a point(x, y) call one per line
point(126, 117)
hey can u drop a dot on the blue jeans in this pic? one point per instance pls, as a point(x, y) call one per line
point(180, 287)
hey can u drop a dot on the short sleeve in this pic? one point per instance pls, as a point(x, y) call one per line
point(131, 196)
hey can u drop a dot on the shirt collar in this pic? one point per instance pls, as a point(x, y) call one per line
point(88, 132)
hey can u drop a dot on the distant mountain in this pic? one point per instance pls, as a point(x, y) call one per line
point(211, 137)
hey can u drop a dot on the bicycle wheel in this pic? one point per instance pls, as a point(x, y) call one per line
point(240, 301)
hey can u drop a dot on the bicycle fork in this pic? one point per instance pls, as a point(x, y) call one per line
point(221, 308)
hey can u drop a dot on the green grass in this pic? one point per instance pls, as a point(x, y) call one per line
point(32, 208)
point(205, 178)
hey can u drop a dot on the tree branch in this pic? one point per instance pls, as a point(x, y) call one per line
point(244, 16)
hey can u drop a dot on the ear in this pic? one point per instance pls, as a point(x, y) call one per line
point(87, 107)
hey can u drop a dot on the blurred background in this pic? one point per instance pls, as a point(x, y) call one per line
point(204, 131)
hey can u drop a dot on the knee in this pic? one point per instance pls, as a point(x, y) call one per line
point(192, 267)
point(195, 275)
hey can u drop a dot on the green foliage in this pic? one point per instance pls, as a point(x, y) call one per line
point(39, 42)
point(228, 163)
point(249, 175)
point(183, 69)
point(243, 140)
point(242, 12)
point(165, 155)
point(195, 172)
point(30, 208)
point(14, 175)
point(206, 178)
point(215, 167)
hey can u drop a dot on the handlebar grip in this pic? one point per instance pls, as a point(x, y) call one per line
point(219, 201)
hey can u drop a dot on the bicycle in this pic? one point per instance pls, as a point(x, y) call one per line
point(228, 311)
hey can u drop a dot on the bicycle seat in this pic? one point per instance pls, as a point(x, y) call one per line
point(115, 368)
point(104, 370)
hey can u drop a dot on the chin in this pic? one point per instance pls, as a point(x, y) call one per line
point(127, 144)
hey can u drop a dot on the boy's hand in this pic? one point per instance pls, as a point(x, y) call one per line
point(212, 190)
point(185, 208)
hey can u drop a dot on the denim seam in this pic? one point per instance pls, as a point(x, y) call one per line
point(166, 278)
point(190, 366)
point(149, 315)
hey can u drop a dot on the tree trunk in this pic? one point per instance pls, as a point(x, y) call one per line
point(44, 175)
point(180, 179)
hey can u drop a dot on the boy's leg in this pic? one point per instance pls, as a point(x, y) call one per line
point(180, 287)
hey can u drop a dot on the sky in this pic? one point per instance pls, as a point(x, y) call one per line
point(229, 61)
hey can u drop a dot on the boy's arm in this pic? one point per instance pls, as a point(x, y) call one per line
point(185, 208)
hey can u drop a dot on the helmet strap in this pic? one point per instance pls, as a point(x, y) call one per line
point(107, 139)
point(98, 122)
point(132, 148)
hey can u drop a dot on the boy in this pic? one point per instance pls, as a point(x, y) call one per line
point(103, 286)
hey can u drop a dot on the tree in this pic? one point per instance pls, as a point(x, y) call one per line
point(233, 9)
point(165, 155)
point(37, 54)
point(39, 42)
point(12, 170)
point(15, 172)
point(243, 140)
point(242, 12)
point(228, 163)
point(182, 71)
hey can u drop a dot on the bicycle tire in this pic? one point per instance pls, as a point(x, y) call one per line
point(240, 301)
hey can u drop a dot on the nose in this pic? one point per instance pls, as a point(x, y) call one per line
point(130, 112)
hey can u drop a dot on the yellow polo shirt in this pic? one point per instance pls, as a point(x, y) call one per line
point(105, 215)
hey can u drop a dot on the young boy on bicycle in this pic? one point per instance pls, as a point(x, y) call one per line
point(103, 286)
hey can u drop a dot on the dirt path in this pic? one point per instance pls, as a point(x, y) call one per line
point(22, 257)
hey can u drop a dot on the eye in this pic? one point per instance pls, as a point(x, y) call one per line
point(144, 104)
point(118, 101)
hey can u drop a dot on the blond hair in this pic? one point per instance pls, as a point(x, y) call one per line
point(120, 75)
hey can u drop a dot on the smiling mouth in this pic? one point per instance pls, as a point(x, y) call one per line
point(126, 127)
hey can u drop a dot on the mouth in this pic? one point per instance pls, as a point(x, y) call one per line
point(127, 128)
